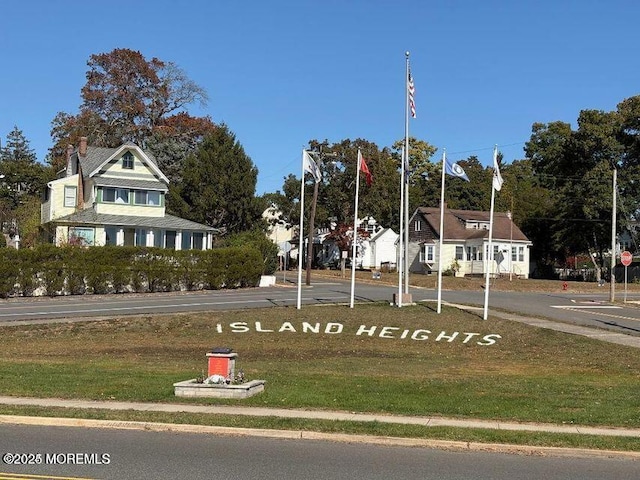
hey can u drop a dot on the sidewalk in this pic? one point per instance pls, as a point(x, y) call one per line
point(321, 415)
point(594, 333)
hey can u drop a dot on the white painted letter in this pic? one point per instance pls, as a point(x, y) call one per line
point(469, 336)
point(363, 329)
point(259, 328)
point(287, 327)
point(333, 328)
point(450, 338)
point(490, 339)
point(420, 335)
point(386, 332)
point(308, 328)
point(239, 327)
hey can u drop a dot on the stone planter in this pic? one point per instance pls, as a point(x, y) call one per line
point(189, 388)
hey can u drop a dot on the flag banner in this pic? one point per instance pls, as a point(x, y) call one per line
point(309, 166)
point(455, 170)
point(364, 168)
point(497, 178)
point(412, 91)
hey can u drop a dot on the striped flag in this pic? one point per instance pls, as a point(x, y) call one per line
point(412, 90)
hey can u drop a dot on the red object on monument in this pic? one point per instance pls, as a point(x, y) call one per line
point(626, 258)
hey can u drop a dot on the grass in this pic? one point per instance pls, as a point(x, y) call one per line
point(530, 374)
point(542, 439)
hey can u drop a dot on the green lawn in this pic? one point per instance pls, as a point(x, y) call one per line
point(528, 374)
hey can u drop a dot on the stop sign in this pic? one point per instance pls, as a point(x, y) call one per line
point(626, 258)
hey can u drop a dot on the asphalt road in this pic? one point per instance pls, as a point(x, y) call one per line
point(121, 454)
point(591, 310)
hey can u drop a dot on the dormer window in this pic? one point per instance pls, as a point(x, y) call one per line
point(127, 161)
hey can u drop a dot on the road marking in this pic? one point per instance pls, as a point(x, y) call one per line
point(13, 476)
point(577, 307)
point(151, 307)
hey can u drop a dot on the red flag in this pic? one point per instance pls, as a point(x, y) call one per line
point(365, 169)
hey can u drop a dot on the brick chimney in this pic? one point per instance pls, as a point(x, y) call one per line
point(82, 149)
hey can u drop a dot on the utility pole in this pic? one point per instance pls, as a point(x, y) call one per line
point(319, 156)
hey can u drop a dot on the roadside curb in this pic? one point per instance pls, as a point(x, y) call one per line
point(318, 436)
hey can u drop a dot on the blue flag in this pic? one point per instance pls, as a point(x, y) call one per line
point(455, 170)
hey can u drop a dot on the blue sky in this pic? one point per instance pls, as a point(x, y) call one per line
point(282, 72)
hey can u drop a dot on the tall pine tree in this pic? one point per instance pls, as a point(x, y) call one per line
point(218, 185)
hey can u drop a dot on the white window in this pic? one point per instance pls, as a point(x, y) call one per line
point(197, 240)
point(140, 237)
point(115, 195)
point(127, 161)
point(417, 226)
point(140, 197)
point(81, 236)
point(111, 235)
point(122, 195)
point(186, 240)
point(429, 253)
point(70, 196)
point(153, 198)
point(459, 252)
point(521, 254)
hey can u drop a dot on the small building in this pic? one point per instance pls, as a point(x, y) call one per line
point(116, 196)
point(466, 243)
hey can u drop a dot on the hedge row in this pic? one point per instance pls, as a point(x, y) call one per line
point(50, 270)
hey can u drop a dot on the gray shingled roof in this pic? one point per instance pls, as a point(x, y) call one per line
point(89, 216)
point(128, 183)
point(96, 156)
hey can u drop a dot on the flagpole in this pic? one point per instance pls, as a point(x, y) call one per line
point(400, 236)
point(490, 252)
point(301, 236)
point(406, 178)
point(441, 244)
point(355, 232)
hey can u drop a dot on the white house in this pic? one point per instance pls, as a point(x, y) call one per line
point(116, 196)
point(466, 243)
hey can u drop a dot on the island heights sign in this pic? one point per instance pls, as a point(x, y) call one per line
point(337, 328)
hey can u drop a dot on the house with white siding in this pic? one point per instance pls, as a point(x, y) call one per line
point(466, 243)
point(116, 196)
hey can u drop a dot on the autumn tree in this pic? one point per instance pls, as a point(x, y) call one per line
point(129, 98)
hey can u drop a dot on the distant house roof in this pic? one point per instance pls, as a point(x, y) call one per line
point(455, 222)
point(89, 216)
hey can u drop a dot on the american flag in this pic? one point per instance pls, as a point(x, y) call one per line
point(412, 91)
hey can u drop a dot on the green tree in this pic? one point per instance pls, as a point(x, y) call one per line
point(218, 185)
point(578, 166)
point(22, 178)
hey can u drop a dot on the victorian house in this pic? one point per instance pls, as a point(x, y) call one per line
point(116, 196)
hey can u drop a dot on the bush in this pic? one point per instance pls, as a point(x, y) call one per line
point(75, 270)
point(258, 240)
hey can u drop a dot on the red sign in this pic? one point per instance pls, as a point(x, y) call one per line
point(626, 258)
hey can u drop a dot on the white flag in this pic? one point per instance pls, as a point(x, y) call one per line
point(309, 166)
point(497, 178)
